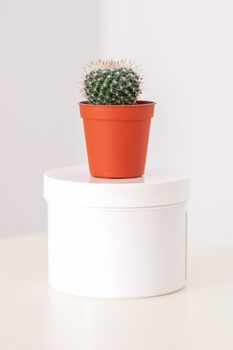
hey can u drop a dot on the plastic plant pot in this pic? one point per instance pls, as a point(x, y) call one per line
point(117, 138)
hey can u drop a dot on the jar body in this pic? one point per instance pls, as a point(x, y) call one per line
point(117, 252)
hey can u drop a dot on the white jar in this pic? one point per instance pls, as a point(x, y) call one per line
point(116, 238)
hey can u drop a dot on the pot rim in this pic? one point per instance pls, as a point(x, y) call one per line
point(138, 103)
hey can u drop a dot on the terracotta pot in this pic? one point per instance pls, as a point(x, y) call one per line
point(117, 138)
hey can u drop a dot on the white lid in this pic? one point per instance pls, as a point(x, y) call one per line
point(74, 185)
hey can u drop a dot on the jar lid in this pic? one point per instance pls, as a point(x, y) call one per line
point(75, 186)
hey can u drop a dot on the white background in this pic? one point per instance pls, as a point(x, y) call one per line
point(185, 51)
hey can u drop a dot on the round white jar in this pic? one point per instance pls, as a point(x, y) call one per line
point(116, 238)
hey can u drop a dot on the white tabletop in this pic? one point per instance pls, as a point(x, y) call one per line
point(33, 316)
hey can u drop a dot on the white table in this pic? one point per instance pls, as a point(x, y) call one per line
point(33, 316)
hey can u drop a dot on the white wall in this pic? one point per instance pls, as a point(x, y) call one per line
point(185, 50)
point(43, 46)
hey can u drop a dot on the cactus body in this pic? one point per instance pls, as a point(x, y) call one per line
point(111, 83)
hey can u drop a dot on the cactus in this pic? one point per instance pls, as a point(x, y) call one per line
point(111, 83)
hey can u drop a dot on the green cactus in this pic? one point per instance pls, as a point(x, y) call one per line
point(111, 83)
